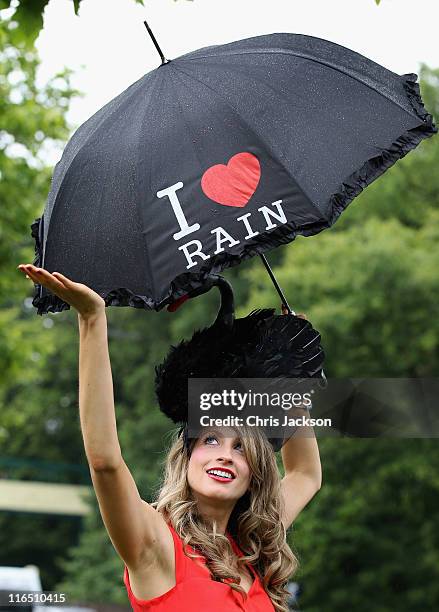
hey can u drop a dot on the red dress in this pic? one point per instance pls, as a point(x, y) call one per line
point(195, 591)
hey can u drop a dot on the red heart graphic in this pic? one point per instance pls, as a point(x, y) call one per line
point(234, 184)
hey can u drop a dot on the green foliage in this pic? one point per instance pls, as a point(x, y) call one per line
point(31, 117)
point(29, 16)
point(370, 539)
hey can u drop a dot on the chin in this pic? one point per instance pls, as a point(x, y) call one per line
point(215, 492)
point(218, 493)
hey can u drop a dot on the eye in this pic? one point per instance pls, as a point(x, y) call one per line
point(208, 440)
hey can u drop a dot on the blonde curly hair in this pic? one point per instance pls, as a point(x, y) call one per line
point(255, 522)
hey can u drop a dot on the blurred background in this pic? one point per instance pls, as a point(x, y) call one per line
point(369, 541)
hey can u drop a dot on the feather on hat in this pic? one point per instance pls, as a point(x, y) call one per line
point(260, 345)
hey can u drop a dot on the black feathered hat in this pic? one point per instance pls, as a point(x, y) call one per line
point(260, 345)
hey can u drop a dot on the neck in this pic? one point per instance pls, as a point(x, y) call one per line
point(211, 510)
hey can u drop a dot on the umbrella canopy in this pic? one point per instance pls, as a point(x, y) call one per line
point(216, 156)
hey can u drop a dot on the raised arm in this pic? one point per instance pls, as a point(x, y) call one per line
point(96, 400)
point(132, 524)
point(137, 531)
point(301, 460)
point(303, 471)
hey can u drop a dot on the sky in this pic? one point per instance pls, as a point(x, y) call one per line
point(108, 47)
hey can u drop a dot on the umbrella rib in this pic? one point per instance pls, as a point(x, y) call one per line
point(309, 57)
point(145, 242)
point(99, 125)
point(278, 157)
point(185, 120)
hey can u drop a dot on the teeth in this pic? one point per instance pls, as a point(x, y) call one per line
point(220, 473)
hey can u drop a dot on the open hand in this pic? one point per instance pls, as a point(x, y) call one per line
point(87, 302)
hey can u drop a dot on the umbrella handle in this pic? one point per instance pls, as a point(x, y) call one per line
point(276, 284)
point(323, 383)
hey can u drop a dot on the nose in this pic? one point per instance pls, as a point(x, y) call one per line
point(226, 455)
point(225, 458)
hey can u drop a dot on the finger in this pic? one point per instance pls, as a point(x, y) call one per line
point(28, 268)
point(63, 278)
point(26, 271)
point(301, 315)
point(22, 269)
point(43, 277)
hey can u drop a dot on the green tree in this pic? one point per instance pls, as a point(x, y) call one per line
point(369, 540)
point(31, 117)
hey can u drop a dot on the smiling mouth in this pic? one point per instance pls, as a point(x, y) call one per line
point(220, 475)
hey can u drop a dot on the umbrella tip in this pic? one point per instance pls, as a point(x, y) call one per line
point(162, 57)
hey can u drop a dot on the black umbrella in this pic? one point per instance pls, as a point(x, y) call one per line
point(216, 156)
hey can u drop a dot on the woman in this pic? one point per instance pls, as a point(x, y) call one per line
point(224, 486)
